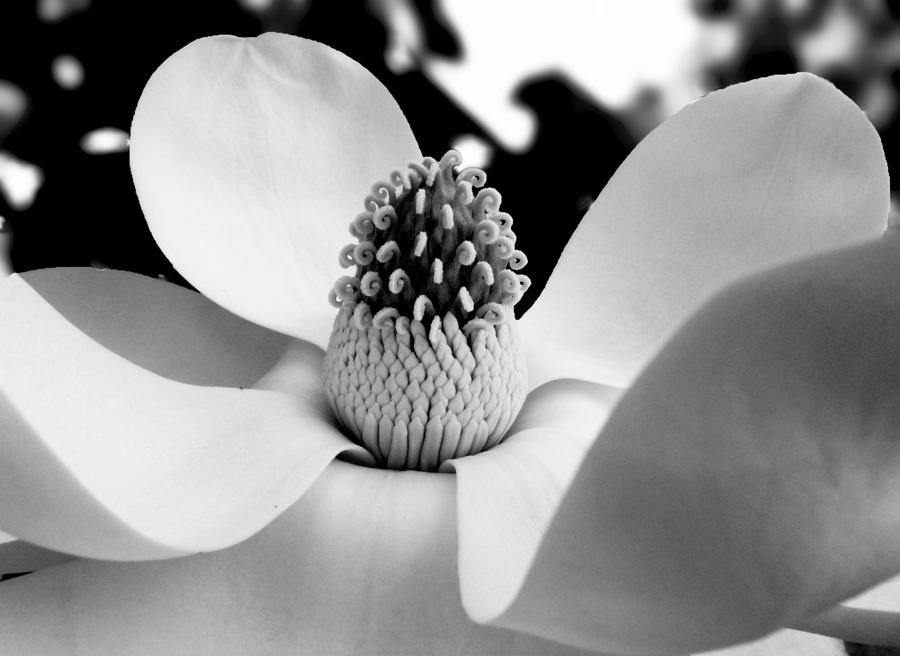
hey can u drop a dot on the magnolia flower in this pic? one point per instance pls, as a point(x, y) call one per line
point(732, 277)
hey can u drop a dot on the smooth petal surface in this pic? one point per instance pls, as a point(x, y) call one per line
point(251, 157)
point(104, 459)
point(17, 556)
point(872, 617)
point(364, 563)
point(507, 496)
point(786, 643)
point(742, 180)
point(750, 478)
point(161, 327)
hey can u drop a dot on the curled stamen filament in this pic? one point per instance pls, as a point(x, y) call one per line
point(370, 284)
point(384, 192)
point(504, 248)
point(384, 318)
point(480, 280)
point(388, 250)
point(364, 253)
point(473, 175)
point(362, 226)
point(518, 260)
point(346, 288)
point(486, 202)
point(492, 313)
point(505, 221)
point(398, 281)
point(382, 217)
point(487, 232)
point(345, 257)
point(509, 287)
point(422, 306)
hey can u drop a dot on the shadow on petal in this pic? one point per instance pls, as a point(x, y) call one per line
point(104, 459)
point(745, 179)
point(747, 479)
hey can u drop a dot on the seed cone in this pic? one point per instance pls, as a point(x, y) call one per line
point(424, 362)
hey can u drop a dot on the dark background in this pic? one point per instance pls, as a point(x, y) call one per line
point(85, 212)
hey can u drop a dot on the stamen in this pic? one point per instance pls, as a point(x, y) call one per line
point(493, 313)
point(370, 285)
point(450, 159)
point(518, 260)
point(465, 253)
point(465, 300)
point(505, 221)
point(345, 257)
point(382, 217)
point(464, 194)
point(419, 170)
point(364, 253)
point(384, 318)
point(362, 226)
point(399, 281)
point(388, 250)
point(420, 201)
point(447, 216)
point(508, 287)
point(384, 192)
point(524, 282)
point(346, 288)
point(437, 272)
point(422, 306)
point(486, 202)
point(487, 232)
point(421, 242)
point(401, 178)
point(473, 175)
point(432, 174)
point(504, 248)
point(362, 315)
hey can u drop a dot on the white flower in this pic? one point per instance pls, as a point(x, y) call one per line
point(745, 480)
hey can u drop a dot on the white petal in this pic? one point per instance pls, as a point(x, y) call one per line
point(872, 617)
point(364, 563)
point(745, 179)
point(786, 643)
point(508, 495)
point(104, 459)
point(17, 557)
point(251, 157)
point(749, 477)
point(161, 327)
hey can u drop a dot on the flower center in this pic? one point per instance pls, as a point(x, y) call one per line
point(424, 363)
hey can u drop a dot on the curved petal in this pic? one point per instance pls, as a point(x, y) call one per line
point(786, 643)
point(161, 327)
point(251, 157)
point(18, 557)
point(104, 459)
point(507, 496)
point(364, 563)
point(745, 179)
point(748, 479)
point(872, 617)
